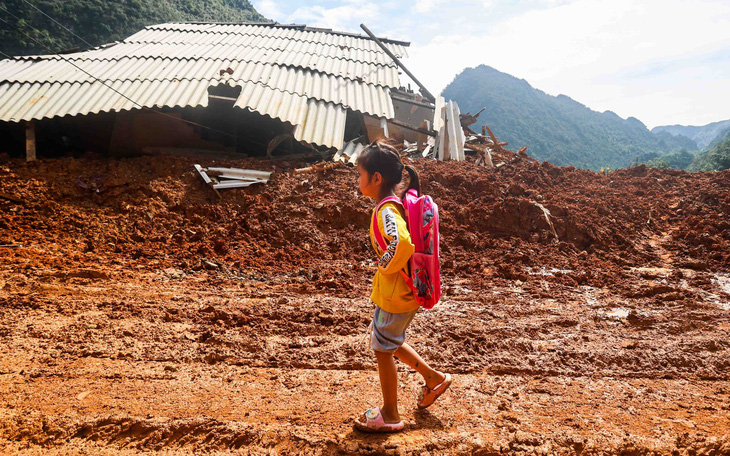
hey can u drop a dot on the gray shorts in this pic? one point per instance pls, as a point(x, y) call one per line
point(389, 329)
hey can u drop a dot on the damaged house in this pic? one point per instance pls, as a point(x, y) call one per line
point(253, 89)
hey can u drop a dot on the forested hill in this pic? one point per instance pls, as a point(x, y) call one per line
point(103, 21)
point(704, 135)
point(557, 129)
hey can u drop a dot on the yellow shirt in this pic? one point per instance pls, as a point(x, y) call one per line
point(390, 290)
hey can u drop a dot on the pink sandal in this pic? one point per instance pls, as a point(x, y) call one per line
point(375, 423)
point(428, 396)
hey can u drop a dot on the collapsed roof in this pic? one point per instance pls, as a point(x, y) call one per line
point(307, 77)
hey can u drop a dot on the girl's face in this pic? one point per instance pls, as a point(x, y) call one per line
point(369, 184)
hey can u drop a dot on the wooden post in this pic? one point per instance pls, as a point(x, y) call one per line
point(424, 90)
point(30, 141)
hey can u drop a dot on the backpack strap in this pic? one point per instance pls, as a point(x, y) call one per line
point(376, 230)
point(381, 240)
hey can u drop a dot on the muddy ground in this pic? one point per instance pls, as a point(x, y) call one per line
point(140, 314)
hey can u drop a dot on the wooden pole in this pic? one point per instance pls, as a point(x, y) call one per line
point(421, 130)
point(424, 90)
point(30, 141)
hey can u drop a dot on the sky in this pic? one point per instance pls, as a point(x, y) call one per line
point(662, 61)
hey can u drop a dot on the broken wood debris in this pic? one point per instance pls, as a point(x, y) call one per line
point(350, 152)
point(11, 198)
point(322, 166)
point(223, 178)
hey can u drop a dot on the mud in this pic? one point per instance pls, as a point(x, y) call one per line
point(140, 314)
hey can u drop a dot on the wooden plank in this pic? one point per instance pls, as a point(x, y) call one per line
point(30, 141)
point(235, 184)
point(10, 198)
point(455, 133)
point(238, 173)
point(438, 114)
point(411, 101)
point(488, 158)
point(424, 90)
point(460, 138)
point(423, 131)
point(421, 139)
point(202, 173)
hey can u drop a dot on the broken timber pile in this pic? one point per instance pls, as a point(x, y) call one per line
point(222, 178)
point(445, 136)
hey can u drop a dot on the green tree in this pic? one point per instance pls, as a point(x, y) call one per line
point(101, 21)
point(717, 158)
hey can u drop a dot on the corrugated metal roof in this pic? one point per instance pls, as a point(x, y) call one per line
point(225, 50)
point(358, 96)
point(27, 101)
point(371, 74)
point(319, 122)
point(289, 33)
point(309, 78)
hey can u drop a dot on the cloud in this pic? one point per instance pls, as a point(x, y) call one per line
point(269, 9)
point(345, 17)
point(424, 6)
point(599, 53)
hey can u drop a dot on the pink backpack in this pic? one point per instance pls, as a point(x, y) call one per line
point(422, 218)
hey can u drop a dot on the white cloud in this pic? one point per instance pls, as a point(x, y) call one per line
point(345, 17)
point(269, 9)
point(592, 50)
point(424, 6)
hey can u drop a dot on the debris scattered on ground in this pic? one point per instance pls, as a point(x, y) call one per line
point(223, 178)
point(322, 166)
point(11, 198)
point(112, 296)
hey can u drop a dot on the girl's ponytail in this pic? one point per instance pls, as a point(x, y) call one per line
point(415, 182)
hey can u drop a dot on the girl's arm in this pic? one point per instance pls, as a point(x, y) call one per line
point(399, 246)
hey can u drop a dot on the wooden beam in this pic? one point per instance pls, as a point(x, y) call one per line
point(222, 98)
point(11, 198)
point(410, 101)
point(30, 141)
point(424, 90)
point(398, 123)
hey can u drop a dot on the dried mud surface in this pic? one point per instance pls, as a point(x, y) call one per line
point(140, 314)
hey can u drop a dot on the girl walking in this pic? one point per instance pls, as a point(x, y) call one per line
point(381, 171)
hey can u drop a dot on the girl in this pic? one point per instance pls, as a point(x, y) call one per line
point(381, 170)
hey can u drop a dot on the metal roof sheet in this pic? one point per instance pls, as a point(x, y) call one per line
point(371, 74)
point(290, 33)
point(226, 50)
point(358, 96)
point(318, 122)
point(309, 78)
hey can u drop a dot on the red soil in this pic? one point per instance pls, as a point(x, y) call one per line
point(141, 313)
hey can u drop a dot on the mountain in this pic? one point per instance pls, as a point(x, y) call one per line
point(721, 137)
point(716, 158)
point(557, 129)
point(703, 135)
point(101, 21)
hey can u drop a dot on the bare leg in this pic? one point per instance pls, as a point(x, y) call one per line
point(389, 384)
point(408, 355)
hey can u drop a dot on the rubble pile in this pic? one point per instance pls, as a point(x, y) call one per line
point(157, 212)
point(141, 312)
